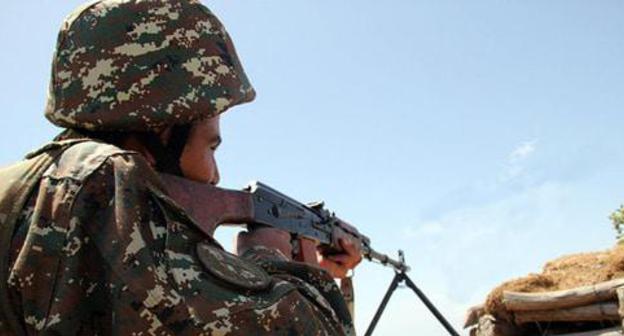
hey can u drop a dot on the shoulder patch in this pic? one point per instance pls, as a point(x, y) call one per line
point(232, 269)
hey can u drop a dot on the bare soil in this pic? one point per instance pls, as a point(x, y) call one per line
point(563, 273)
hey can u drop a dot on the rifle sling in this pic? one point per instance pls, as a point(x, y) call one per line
point(346, 287)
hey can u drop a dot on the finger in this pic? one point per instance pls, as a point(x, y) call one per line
point(352, 250)
point(331, 261)
point(334, 269)
point(342, 259)
point(349, 246)
point(347, 261)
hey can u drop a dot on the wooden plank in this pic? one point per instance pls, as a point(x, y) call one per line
point(473, 314)
point(620, 295)
point(595, 312)
point(489, 326)
point(580, 296)
point(604, 332)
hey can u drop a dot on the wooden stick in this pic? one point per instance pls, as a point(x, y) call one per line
point(595, 312)
point(580, 296)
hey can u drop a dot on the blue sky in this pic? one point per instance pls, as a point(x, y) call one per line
point(482, 137)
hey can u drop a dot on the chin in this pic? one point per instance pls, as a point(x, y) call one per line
point(196, 177)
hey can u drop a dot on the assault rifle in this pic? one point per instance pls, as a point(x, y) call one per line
point(312, 221)
point(259, 204)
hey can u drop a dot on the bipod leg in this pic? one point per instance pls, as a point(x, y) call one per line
point(430, 305)
point(402, 277)
point(399, 277)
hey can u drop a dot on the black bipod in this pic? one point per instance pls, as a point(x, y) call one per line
point(399, 278)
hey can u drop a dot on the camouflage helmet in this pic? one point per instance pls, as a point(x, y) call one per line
point(141, 65)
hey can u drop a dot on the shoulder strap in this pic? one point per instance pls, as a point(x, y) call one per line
point(16, 184)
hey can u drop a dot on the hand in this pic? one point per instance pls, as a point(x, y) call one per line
point(338, 265)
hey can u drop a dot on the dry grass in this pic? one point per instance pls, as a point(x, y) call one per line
point(563, 273)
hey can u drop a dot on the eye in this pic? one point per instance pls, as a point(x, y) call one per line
point(214, 145)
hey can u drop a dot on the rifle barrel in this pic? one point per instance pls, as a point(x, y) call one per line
point(398, 265)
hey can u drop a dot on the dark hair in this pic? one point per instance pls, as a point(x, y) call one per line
point(167, 155)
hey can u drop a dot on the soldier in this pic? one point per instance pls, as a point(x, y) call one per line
point(90, 241)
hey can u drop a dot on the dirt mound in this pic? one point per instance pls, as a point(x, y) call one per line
point(562, 273)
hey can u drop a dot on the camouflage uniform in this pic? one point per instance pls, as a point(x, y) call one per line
point(96, 245)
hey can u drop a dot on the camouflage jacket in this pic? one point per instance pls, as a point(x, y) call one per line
point(99, 249)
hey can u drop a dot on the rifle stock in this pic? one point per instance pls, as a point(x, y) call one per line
point(208, 205)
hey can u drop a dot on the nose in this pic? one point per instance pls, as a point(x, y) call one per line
point(215, 176)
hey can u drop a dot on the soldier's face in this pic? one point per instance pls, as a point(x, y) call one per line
point(198, 157)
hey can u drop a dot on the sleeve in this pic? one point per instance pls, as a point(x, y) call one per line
point(165, 277)
point(317, 283)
